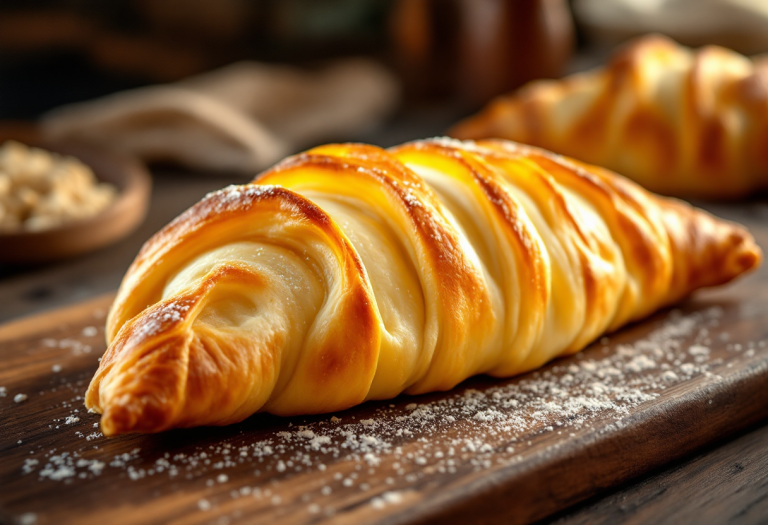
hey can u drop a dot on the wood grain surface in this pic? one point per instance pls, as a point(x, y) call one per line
point(489, 451)
point(727, 484)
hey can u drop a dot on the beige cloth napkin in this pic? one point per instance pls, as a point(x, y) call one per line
point(243, 117)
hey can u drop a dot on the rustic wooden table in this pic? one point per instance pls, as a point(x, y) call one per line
point(727, 482)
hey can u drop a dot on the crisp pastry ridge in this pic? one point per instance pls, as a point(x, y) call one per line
point(679, 121)
point(351, 272)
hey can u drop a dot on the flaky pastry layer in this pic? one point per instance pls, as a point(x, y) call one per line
point(678, 121)
point(350, 273)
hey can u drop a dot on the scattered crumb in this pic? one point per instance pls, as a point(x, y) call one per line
point(388, 498)
point(56, 369)
point(29, 465)
point(20, 398)
point(58, 473)
point(640, 363)
point(698, 350)
point(90, 331)
point(670, 376)
point(77, 347)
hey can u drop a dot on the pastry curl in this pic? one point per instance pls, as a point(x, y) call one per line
point(350, 273)
point(678, 121)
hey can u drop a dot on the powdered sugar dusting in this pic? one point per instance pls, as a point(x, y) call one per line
point(170, 312)
point(379, 458)
point(235, 194)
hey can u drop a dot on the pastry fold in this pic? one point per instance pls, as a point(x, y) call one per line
point(678, 121)
point(350, 273)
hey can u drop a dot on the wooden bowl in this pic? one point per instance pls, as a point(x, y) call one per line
point(134, 185)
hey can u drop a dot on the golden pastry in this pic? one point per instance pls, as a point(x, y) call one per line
point(678, 121)
point(350, 273)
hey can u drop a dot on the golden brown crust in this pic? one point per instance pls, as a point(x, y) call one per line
point(457, 290)
point(678, 121)
point(163, 341)
point(409, 270)
point(531, 270)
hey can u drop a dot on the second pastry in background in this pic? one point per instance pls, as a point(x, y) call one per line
point(691, 123)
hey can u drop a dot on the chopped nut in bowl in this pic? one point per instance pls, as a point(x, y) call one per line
point(58, 201)
point(40, 189)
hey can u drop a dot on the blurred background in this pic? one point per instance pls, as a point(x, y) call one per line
point(449, 52)
point(430, 63)
point(64, 51)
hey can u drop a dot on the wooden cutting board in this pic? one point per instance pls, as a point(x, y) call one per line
point(510, 451)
